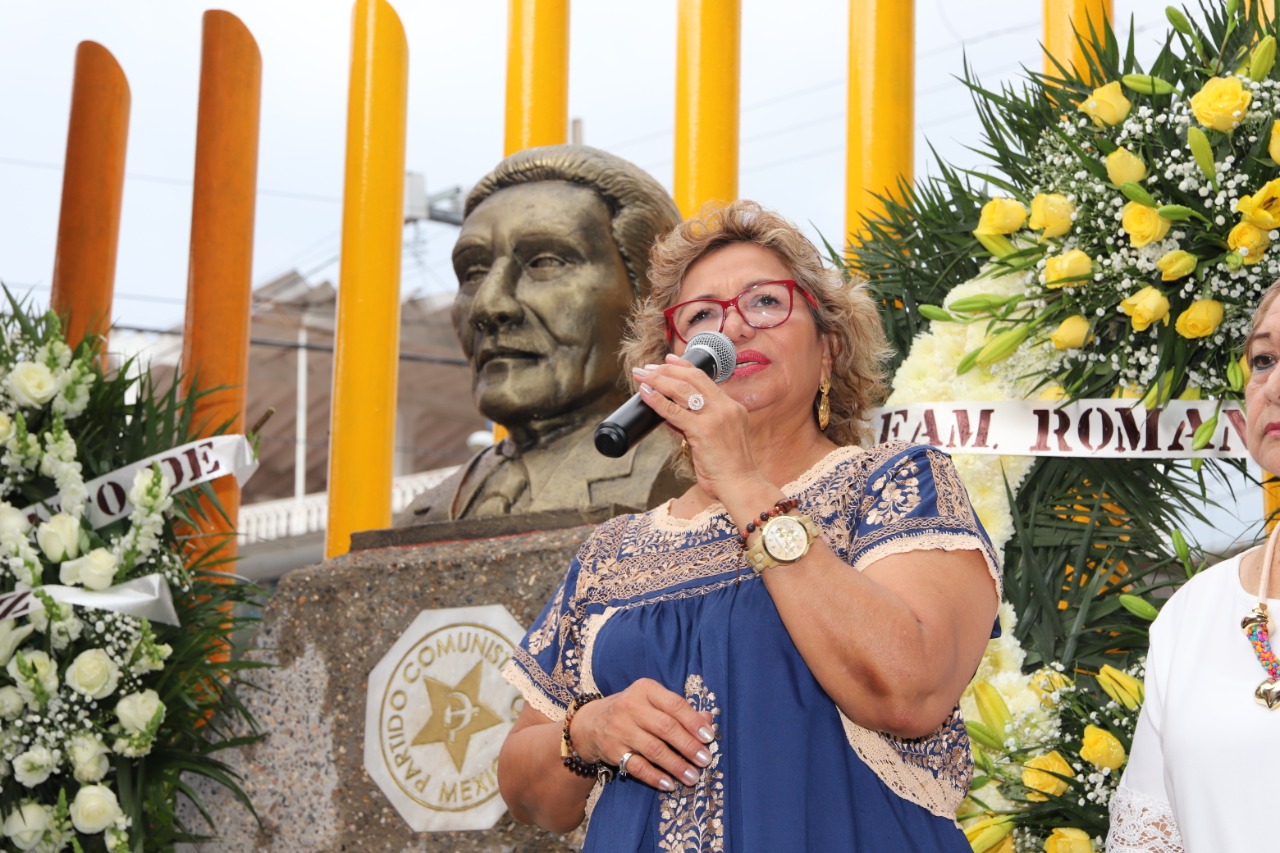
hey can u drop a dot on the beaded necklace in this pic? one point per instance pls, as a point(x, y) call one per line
point(1257, 630)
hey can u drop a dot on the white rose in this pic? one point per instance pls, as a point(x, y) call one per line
point(45, 675)
point(6, 427)
point(93, 673)
point(13, 521)
point(88, 757)
point(94, 809)
point(26, 826)
point(59, 538)
point(95, 570)
point(11, 636)
point(136, 710)
point(11, 703)
point(32, 384)
point(33, 766)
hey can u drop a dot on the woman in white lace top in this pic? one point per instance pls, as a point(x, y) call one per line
point(1199, 777)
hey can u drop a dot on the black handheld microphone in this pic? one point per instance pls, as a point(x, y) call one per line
point(711, 352)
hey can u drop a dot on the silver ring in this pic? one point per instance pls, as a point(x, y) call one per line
point(622, 763)
point(696, 402)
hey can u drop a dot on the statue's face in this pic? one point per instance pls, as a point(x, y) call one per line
point(543, 297)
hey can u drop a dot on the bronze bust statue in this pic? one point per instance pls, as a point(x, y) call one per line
point(553, 252)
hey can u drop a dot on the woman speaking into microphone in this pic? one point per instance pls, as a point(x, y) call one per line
point(773, 660)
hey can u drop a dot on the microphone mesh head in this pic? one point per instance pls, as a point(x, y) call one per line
point(722, 351)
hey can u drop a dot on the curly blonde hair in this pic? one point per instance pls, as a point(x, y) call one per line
point(845, 314)
point(1264, 303)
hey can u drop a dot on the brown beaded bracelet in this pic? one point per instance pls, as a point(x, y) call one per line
point(782, 507)
point(568, 754)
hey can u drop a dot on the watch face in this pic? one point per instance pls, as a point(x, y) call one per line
point(785, 538)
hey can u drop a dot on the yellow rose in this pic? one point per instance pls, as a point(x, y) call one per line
point(1145, 307)
point(1052, 392)
point(1263, 207)
point(1175, 265)
point(1123, 165)
point(1143, 225)
point(1052, 212)
point(1221, 104)
point(1200, 320)
point(1249, 241)
point(1038, 776)
point(1069, 268)
point(1068, 839)
point(1101, 748)
point(1273, 147)
point(1072, 333)
point(1107, 105)
point(1001, 216)
point(1045, 682)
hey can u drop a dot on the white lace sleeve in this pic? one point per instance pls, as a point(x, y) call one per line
point(1142, 824)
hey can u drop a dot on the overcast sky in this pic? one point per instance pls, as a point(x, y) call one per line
point(622, 84)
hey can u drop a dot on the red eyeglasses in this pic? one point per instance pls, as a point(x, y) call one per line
point(766, 305)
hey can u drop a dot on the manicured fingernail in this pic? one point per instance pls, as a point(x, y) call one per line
point(645, 388)
point(641, 371)
point(705, 734)
point(666, 784)
point(651, 367)
point(703, 758)
point(690, 776)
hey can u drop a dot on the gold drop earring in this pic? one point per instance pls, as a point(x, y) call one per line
point(824, 405)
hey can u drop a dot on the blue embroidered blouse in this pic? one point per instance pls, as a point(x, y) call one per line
point(672, 599)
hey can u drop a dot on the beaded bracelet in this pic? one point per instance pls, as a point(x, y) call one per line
point(782, 507)
point(569, 755)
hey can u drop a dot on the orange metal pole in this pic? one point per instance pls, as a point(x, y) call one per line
point(881, 115)
point(708, 47)
point(215, 350)
point(84, 264)
point(367, 345)
point(1061, 20)
point(537, 75)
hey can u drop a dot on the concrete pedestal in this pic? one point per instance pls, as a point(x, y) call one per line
point(325, 630)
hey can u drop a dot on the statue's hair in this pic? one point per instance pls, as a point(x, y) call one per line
point(640, 209)
point(846, 314)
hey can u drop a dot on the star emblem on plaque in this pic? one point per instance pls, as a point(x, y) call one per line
point(437, 712)
point(457, 712)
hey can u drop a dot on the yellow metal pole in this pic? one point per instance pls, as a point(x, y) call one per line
point(84, 265)
point(1270, 498)
point(215, 345)
point(362, 437)
point(881, 105)
point(1061, 20)
point(537, 75)
point(708, 40)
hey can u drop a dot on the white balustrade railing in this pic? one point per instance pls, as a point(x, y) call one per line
point(288, 517)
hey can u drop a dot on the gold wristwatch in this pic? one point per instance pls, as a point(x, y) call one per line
point(783, 539)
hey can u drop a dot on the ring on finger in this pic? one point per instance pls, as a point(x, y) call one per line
point(622, 763)
point(696, 402)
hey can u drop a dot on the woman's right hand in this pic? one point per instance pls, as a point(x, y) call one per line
point(668, 740)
